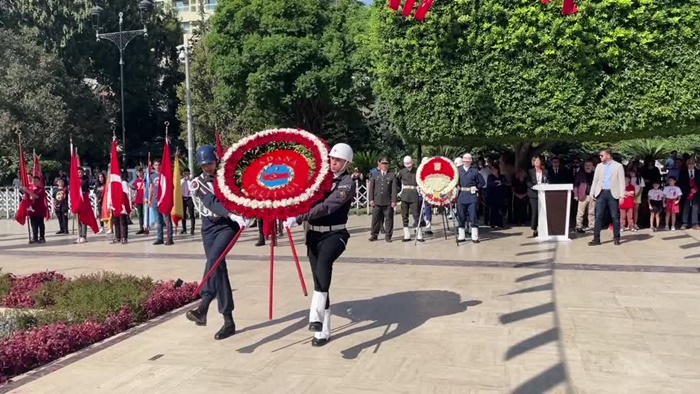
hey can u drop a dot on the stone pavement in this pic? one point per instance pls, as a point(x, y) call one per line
point(509, 315)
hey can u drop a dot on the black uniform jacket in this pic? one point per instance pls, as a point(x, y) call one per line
point(333, 209)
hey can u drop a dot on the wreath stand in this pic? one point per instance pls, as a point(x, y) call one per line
point(272, 191)
point(421, 218)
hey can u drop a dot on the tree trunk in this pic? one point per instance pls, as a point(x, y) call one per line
point(524, 151)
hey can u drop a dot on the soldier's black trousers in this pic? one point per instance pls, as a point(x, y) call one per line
point(410, 207)
point(323, 250)
point(215, 238)
point(379, 215)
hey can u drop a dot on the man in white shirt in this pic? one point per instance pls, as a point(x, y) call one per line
point(607, 190)
point(187, 203)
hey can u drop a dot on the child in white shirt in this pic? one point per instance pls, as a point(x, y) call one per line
point(656, 204)
point(672, 196)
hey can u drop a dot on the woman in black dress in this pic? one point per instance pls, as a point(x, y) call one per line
point(535, 176)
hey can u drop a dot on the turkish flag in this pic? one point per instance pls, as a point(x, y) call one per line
point(408, 7)
point(569, 7)
point(219, 147)
point(165, 197)
point(37, 173)
point(21, 214)
point(76, 194)
point(394, 4)
point(423, 9)
point(116, 193)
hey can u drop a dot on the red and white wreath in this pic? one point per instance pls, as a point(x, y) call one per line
point(274, 174)
point(437, 179)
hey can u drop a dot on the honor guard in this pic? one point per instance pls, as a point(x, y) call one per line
point(427, 209)
point(382, 198)
point(327, 239)
point(410, 200)
point(219, 226)
point(470, 181)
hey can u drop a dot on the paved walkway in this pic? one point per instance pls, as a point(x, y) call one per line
point(509, 315)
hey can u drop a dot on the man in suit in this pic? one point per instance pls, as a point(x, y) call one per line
point(687, 178)
point(607, 190)
point(382, 198)
point(559, 174)
point(470, 182)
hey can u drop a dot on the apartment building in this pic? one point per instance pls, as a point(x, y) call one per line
point(189, 11)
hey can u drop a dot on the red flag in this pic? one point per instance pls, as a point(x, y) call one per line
point(408, 7)
point(219, 147)
point(569, 7)
point(21, 214)
point(115, 182)
point(86, 215)
point(36, 171)
point(423, 9)
point(394, 4)
point(165, 187)
point(76, 194)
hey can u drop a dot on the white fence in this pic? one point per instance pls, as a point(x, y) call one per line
point(10, 198)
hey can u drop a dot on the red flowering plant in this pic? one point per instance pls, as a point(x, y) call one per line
point(22, 289)
point(77, 313)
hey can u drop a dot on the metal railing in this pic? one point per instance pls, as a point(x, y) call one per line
point(10, 198)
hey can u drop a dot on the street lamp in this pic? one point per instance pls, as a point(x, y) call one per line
point(185, 58)
point(121, 40)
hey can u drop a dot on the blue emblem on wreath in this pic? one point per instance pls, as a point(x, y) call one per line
point(276, 175)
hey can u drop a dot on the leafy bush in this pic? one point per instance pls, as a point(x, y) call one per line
point(77, 313)
point(95, 296)
point(5, 284)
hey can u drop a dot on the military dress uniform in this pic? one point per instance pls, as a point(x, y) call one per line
point(470, 182)
point(218, 229)
point(383, 191)
point(410, 202)
point(326, 240)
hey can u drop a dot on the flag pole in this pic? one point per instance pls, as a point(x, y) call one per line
point(169, 225)
point(147, 208)
point(21, 176)
point(69, 172)
point(118, 211)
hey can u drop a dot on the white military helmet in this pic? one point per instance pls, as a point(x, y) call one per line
point(458, 161)
point(341, 151)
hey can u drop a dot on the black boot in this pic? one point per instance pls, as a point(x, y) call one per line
point(199, 314)
point(318, 342)
point(261, 241)
point(227, 330)
point(316, 326)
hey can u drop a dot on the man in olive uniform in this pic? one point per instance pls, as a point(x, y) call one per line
point(410, 201)
point(382, 198)
point(470, 182)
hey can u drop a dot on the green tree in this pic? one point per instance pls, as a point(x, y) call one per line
point(38, 97)
point(291, 64)
point(151, 72)
point(517, 71)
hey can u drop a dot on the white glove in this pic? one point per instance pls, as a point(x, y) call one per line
point(238, 219)
point(290, 222)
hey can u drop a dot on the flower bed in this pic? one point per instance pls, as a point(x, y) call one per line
point(67, 315)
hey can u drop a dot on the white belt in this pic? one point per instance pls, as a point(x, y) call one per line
point(409, 187)
point(327, 229)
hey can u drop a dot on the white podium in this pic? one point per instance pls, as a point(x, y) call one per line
point(554, 211)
